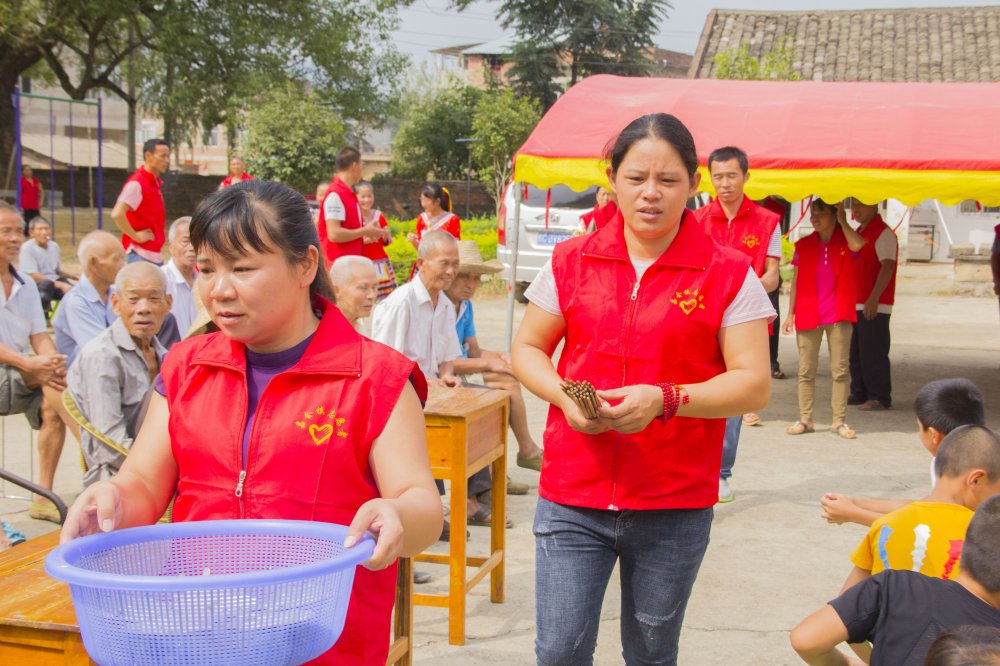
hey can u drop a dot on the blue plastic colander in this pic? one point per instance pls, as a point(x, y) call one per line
point(210, 592)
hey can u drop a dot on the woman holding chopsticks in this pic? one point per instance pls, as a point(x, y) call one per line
point(671, 330)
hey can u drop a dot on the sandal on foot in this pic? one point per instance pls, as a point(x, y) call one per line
point(483, 517)
point(751, 419)
point(778, 374)
point(799, 428)
point(845, 431)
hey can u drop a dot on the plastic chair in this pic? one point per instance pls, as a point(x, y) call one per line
point(74, 412)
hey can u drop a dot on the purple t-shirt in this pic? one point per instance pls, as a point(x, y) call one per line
point(261, 369)
point(825, 286)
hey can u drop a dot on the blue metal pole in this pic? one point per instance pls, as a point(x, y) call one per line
point(100, 167)
point(52, 168)
point(16, 100)
point(72, 180)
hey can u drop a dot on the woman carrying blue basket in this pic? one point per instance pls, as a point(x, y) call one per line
point(286, 413)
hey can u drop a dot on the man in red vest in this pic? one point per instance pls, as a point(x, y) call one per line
point(139, 212)
point(341, 232)
point(735, 221)
point(871, 384)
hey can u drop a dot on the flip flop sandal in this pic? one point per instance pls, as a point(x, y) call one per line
point(484, 518)
point(751, 419)
point(778, 374)
point(799, 428)
point(845, 431)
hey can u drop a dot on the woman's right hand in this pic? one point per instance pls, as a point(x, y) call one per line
point(97, 509)
point(577, 421)
point(789, 325)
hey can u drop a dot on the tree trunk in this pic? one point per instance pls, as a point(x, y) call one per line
point(13, 63)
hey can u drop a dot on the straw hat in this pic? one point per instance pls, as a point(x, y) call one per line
point(470, 260)
point(202, 318)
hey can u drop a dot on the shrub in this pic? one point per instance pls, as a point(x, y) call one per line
point(401, 253)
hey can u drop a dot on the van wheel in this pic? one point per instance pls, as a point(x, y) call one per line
point(519, 288)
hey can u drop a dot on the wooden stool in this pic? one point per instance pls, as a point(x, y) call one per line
point(466, 431)
point(401, 650)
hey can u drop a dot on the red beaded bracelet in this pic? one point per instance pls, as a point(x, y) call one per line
point(674, 395)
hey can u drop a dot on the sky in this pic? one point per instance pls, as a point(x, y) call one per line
point(429, 24)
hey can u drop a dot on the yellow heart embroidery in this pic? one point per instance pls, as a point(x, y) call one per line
point(320, 433)
point(750, 242)
point(688, 306)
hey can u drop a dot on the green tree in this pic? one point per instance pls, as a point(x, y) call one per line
point(777, 64)
point(293, 138)
point(425, 143)
point(500, 125)
point(589, 36)
point(202, 63)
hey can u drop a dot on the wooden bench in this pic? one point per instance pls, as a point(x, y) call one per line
point(467, 431)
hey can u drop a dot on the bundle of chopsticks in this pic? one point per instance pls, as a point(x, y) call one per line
point(584, 395)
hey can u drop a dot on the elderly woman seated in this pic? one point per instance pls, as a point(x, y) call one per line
point(111, 378)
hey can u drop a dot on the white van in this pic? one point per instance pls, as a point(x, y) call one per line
point(537, 236)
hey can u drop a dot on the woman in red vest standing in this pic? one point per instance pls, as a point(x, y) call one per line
point(374, 248)
point(436, 202)
point(32, 196)
point(822, 301)
point(671, 328)
point(287, 412)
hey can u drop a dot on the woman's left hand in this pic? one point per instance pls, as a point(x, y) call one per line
point(639, 405)
point(381, 519)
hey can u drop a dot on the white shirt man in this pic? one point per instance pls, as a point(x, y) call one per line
point(180, 274)
point(418, 319)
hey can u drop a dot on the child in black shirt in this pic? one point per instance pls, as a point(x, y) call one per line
point(902, 612)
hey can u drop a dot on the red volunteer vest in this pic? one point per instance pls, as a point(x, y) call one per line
point(618, 333)
point(376, 251)
point(309, 448)
point(869, 265)
point(352, 212)
point(842, 259)
point(151, 213)
point(750, 231)
point(228, 180)
point(600, 215)
point(29, 194)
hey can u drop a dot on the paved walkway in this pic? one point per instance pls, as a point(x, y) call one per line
point(772, 560)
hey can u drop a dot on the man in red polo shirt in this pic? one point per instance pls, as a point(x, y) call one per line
point(341, 232)
point(871, 382)
point(139, 212)
point(32, 196)
point(735, 221)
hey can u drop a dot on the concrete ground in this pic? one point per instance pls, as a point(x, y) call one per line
point(772, 559)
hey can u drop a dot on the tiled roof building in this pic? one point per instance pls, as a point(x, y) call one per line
point(921, 44)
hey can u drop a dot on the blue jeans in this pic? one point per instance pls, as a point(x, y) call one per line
point(729, 443)
point(575, 553)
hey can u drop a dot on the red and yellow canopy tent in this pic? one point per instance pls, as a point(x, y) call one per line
point(907, 141)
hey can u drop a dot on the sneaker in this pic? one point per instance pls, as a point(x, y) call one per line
point(516, 487)
point(44, 510)
point(725, 492)
point(534, 462)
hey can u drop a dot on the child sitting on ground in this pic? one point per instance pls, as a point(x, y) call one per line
point(927, 535)
point(902, 612)
point(941, 406)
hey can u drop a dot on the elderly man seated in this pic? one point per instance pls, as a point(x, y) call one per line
point(180, 274)
point(39, 258)
point(32, 374)
point(417, 319)
point(355, 286)
point(113, 373)
point(86, 310)
point(488, 368)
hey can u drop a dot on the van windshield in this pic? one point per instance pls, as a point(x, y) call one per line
point(562, 197)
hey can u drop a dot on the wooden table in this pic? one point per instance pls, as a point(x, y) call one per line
point(466, 431)
point(37, 622)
